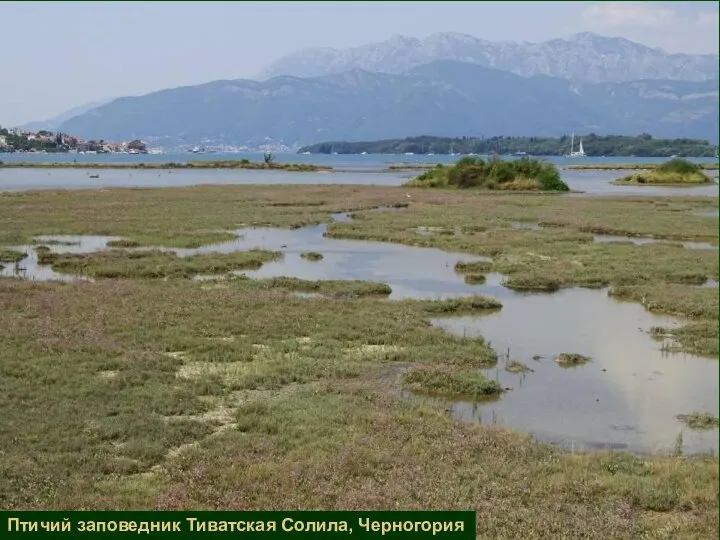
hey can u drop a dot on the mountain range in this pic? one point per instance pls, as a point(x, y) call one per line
point(54, 123)
point(406, 93)
point(585, 57)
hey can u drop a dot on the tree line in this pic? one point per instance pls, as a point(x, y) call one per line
point(594, 145)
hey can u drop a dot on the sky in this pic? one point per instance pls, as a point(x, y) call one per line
point(58, 55)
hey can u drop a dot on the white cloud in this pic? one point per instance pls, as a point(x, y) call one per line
point(613, 14)
point(707, 19)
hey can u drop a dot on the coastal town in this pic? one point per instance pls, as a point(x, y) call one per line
point(44, 141)
point(49, 142)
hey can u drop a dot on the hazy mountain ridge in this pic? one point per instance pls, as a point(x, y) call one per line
point(442, 98)
point(584, 57)
point(53, 123)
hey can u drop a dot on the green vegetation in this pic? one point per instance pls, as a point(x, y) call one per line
point(328, 288)
point(475, 279)
point(312, 256)
point(517, 367)
point(116, 263)
point(11, 255)
point(571, 359)
point(175, 394)
point(227, 164)
point(123, 243)
point(520, 175)
point(594, 145)
point(698, 420)
point(674, 172)
point(455, 306)
point(470, 384)
point(43, 140)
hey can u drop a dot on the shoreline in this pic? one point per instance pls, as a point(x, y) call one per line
point(224, 164)
point(631, 166)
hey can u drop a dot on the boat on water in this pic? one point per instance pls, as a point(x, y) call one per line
point(580, 151)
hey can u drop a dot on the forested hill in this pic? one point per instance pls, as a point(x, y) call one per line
point(594, 145)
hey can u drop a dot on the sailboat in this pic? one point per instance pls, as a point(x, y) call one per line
point(580, 152)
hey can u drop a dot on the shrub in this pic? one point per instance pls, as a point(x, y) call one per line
point(469, 172)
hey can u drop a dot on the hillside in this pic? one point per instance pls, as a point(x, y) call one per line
point(583, 58)
point(443, 98)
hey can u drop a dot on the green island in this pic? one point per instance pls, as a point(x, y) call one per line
point(220, 164)
point(594, 145)
point(146, 389)
point(525, 174)
point(676, 172)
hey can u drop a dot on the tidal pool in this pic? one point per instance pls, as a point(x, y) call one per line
point(626, 397)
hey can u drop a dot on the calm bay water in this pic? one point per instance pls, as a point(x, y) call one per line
point(350, 169)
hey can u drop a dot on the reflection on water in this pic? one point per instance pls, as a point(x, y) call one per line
point(628, 395)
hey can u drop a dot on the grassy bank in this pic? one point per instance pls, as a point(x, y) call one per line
point(225, 164)
point(154, 264)
point(237, 394)
point(524, 174)
point(676, 172)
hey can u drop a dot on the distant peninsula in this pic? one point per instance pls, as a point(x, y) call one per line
point(594, 145)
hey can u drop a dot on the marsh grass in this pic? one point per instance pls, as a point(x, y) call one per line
point(526, 174)
point(451, 384)
point(475, 279)
point(674, 172)
point(465, 304)
point(117, 263)
point(571, 359)
point(11, 255)
point(140, 393)
point(699, 420)
point(513, 366)
point(312, 256)
point(123, 243)
point(327, 288)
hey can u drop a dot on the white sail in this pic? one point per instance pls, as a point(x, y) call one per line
point(581, 152)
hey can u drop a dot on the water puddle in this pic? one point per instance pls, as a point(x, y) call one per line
point(341, 217)
point(708, 213)
point(640, 241)
point(626, 397)
point(525, 225)
point(710, 284)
